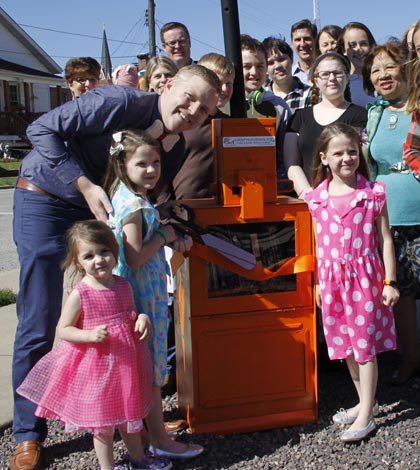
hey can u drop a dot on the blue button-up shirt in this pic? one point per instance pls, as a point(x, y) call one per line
point(74, 139)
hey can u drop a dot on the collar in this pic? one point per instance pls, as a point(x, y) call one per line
point(157, 131)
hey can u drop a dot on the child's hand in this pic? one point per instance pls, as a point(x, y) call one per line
point(183, 243)
point(318, 297)
point(390, 296)
point(98, 334)
point(143, 326)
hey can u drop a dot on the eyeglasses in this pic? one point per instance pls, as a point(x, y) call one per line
point(325, 75)
point(83, 81)
point(172, 44)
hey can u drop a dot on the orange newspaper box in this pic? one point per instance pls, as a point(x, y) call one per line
point(245, 331)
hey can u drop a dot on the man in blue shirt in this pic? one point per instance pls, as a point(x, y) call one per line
point(59, 183)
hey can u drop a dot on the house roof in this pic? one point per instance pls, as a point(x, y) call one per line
point(12, 67)
point(7, 22)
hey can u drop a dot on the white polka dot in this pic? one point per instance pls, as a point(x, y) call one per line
point(369, 268)
point(359, 320)
point(369, 204)
point(356, 296)
point(324, 215)
point(338, 307)
point(346, 285)
point(320, 252)
point(318, 228)
point(349, 309)
point(367, 228)
point(330, 352)
point(333, 227)
point(328, 299)
point(330, 320)
point(374, 291)
point(385, 321)
point(373, 351)
point(349, 351)
point(357, 243)
point(378, 314)
point(347, 233)
point(338, 340)
point(326, 331)
point(378, 335)
point(344, 329)
point(334, 253)
point(324, 194)
point(388, 343)
point(357, 218)
point(344, 296)
point(335, 286)
point(365, 282)
point(351, 332)
point(371, 329)
point(326, 240)
point(369, 306)
point(362, 343)
point(356, 354)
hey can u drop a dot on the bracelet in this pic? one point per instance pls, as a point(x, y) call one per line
point(160, 232)
point(393, 284)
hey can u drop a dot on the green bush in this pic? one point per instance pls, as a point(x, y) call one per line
point(7, 297)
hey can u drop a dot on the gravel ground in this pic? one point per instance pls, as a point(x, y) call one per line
point(395, 444)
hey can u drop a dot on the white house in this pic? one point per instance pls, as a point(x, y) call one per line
point(28, 76)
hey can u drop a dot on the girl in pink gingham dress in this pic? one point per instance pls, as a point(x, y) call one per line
point(356, 267)
point(99, 376)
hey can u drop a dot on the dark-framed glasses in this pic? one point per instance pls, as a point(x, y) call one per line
point(83, 81)
point(325, 74)
point(181, 42)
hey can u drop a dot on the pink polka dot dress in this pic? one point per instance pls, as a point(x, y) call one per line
point(96, 387)
point(351, 272)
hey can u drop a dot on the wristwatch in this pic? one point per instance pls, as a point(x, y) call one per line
point(387, 282)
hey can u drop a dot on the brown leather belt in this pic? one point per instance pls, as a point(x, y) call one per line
point(22, 183)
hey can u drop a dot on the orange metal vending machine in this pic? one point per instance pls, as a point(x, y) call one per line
point(245, 336)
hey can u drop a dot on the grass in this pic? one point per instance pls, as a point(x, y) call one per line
point(8, 172)
point(7, 297)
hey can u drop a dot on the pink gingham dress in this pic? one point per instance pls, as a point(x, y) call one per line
point(351, 272)
point(96, 387)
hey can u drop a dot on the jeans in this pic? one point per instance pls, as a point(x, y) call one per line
point(39, 226)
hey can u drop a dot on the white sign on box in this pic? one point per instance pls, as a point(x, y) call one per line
point(250, 141)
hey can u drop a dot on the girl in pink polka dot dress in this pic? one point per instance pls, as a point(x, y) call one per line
point(356, 267)
point(99, 376)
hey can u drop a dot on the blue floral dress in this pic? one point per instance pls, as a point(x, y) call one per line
point(149, 282)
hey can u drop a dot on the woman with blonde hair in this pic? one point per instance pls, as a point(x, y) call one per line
point(159, 69)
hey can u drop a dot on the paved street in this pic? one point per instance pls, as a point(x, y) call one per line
point(8, 255)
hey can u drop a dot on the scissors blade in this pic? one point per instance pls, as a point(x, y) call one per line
point(239, 256)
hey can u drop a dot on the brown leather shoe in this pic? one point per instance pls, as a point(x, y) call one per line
point(27, 456)
point(175, 426)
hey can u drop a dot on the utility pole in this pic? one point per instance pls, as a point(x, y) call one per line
point(151, 24)
point(317, 19)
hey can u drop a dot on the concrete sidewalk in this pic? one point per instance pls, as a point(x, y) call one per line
point(8, 321)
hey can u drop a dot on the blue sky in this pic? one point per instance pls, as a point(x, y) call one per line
point(60, 28)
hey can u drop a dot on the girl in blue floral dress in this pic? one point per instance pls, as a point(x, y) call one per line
point(134, 169)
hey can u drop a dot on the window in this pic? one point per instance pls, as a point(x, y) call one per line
point(14, 94)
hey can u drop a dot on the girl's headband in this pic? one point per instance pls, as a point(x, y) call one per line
point(117, 149)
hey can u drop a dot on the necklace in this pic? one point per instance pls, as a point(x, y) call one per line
point(393, 119)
